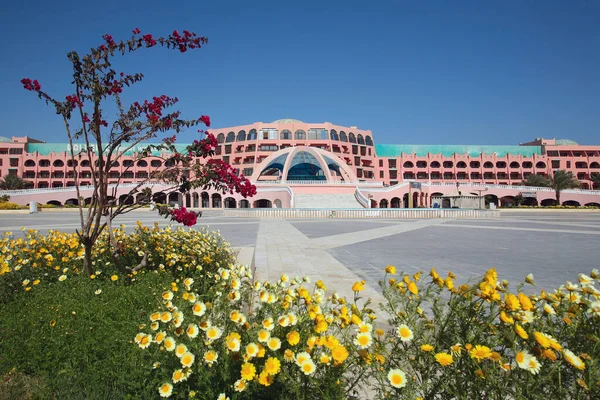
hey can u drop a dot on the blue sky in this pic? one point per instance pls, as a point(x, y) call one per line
point(424, 72)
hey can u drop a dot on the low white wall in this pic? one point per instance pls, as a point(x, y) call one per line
point(358, 213)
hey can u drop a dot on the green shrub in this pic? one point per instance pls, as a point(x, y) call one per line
point(72, 333)
point(11, 206)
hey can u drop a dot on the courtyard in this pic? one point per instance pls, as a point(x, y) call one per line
point(555, 246)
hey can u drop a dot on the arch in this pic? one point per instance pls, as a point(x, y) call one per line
point(142, 198)
point(448, 164)
point(126, 199)
point(216, 200)
point(540, 164)
point(87, 201)
point(31, 163)
point(333, 135)
point(581, 165)
point(230, 137)
point(220, 138)
point(595, 165)
point(58, 163)
point(72, 202)
point(229, 202)
point(46, 163)
point(548, 202)
point(488, 164)
point(251, 134)
point(115, 164)
point(360, 139)
point(421, 164)
point(159, 197)
point(277, 203)
point(128, 163)
point(285, 134)
point(343, 137)
point(515, 165)
point(54, 203)
point(571, 203)
point(508, 201)
point(244, 203)
point(491, 198)
point(530, 201)
point(241, 136)
point(395, 202)
point(434, 164)
point(263, 203)
point(475, 164)
point(205, 200)
point(527, 164)
point(407, 164)
point(174, 198)
point(144, 163)
point(188, 200)
point(195, 200)
point(368, 140)
point(351, 138)
point(383, 203)
point(57, 184)
point(300, 135)
point(461, 164)
point(501, 164)
point(597, 205)
point(155, 163)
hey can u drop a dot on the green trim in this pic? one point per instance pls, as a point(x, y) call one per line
point(422, 150)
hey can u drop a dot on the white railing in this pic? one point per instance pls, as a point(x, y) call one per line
point(362, 199)
point(285, 182)
point(359, 213)
point(513, 187)
point(25, 192)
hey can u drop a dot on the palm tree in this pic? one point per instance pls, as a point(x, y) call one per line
point(12, 182)
point(563, 180)
point(536, 180)
point(596, 180)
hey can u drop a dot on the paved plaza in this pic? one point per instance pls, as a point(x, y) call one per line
point(554, 246)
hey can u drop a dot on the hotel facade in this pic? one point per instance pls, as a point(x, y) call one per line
point(328, 159)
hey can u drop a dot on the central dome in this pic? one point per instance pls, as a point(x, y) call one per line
point(287, 121)
point(303, 163)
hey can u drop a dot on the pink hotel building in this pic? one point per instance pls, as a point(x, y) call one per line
point(291, 160)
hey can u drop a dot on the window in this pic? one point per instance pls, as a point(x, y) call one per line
point(251, 134)
point(300, 135)
point(568, 164)
point(434, 164)
point(393, 174)
point(230, 137)
point(14, 162)
point(333, 135)
point(381, 174)
point(392, 163)
point(265, 147)
point(155, 163)
point(227, 149)
point(128, 163)
point(475, 164)
point(448, 164)
point(13, 150)
point(356, 160)
point(408, 164)
point(317, 134)
point(381, 163)
point(351, 138)
point(360, 139)
point(248, 171)
point(269, 134)
point(220, 138)
point(343, 137)
point(46, 163)
point(285, 135)
point(555, 163)
point(369, 141)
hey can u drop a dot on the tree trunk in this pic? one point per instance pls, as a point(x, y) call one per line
point(87, 260)
point(558, 197)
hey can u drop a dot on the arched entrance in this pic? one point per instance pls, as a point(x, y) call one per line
point(196, 199)
point(205, 200)
point(216, 200)
point(571, 203)
point(160, 198)
point(277, 203)
point(126, 199)
point(383, 203)
point(548, 202)
point(263, 203)
point(244, 203)
point(230, 202)
point(395, 203)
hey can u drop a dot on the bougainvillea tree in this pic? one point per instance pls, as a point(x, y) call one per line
point(97, 85)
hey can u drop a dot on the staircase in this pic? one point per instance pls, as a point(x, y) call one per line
point(346, 200)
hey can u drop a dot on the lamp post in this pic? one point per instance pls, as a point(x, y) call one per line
point(480, 196)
